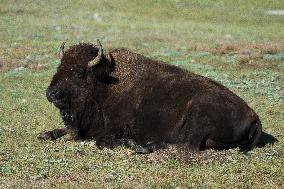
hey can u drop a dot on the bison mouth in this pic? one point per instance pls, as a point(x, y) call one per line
point(59, 103)
point(57, 97)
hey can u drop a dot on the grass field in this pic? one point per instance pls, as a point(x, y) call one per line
point(232, 41)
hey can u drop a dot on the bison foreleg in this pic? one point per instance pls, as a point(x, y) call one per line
point(56, 133)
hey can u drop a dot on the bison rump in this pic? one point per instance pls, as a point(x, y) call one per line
point(196, 111)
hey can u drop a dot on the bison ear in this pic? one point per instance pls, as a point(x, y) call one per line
point(61, 51)
point(101, 65)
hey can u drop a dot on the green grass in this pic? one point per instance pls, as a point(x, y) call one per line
point(234, 42)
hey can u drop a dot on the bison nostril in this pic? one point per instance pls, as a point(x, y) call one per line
point(53, 94)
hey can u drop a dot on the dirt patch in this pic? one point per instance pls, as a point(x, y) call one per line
point(184, 156)
point(264, 55)
point(24, 183)
point(236, 47)
point(260, 64)
point(9, 65)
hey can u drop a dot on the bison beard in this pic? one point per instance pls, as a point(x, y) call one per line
point(127, 99)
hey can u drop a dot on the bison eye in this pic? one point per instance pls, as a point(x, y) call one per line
point(81, 73)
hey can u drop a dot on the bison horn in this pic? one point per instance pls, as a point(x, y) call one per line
point(99, 56)
point(61, 52)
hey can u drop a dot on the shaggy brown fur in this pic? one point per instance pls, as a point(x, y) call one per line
point(145, 104)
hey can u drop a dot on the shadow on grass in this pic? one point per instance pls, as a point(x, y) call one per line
point(266, 139)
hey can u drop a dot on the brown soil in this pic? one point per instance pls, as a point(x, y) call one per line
point(242, 48)
point(8, 65)
point(187, 157)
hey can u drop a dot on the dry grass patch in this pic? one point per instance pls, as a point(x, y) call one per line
point(17, 65)
point(181, 155)
point(238, 47)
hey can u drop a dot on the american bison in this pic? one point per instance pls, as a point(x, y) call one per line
point(124, 98)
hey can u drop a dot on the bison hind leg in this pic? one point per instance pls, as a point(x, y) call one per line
point(195, 142)
point(213, 144)
point(136, 147)
point(196, 145)
point(148, 148)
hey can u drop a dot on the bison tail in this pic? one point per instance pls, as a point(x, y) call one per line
point(254, 134)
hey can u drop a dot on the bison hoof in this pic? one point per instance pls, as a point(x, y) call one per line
point(46, 136)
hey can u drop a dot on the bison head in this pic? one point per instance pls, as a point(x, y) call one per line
point(74, 84)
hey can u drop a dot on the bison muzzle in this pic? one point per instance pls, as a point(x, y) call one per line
point(124, 98)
